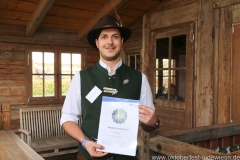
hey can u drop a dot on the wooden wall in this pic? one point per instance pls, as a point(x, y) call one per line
point(213, 20)
point(13, 45)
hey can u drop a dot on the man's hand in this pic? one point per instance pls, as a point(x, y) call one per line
point(147, 115)
point(91, 148)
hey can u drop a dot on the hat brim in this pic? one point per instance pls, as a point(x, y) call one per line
point(126, 33)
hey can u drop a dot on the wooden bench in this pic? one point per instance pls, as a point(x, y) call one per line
point(40, 128)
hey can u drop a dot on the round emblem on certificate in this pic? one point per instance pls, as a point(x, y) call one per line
point(119, 115)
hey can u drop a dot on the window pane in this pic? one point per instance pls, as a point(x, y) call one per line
point(181, 80)
point(48, 63)
point(161, 84)
point(76, 63)
point(177, 86)
point(132, 61)
point(65, 84)
point(37, 86)
point(179, 50)
point(37, 62)
point(162, 52)
point(48, 86)
point(66, 63)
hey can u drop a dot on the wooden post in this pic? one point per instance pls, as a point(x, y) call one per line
point(6, 116)
point(204, 57)
point(1, 127)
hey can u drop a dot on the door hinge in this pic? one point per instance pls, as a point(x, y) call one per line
point(232, 29)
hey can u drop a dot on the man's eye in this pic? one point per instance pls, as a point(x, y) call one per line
point(104, 37)
point(116, 37)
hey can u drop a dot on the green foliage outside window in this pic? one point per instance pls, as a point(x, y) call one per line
point(49, 87)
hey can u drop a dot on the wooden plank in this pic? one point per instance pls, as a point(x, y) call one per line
point(165, 146)
point(145, 53)
point(168, 104)
point(12, 55)
point(224, 3)
point(38, 15)
point(10, 142)
point(70, 21)
point(144, 147)
point(225, 41)
point(79, 5)
point(93, 58)
point(16, 5)
point(171, 4)
point(8, 62)
point(12, 30)
point(28, 40)
point(13, 21)
point(133, 45)
point(235, 110)
point(204, 133)
point(170, 113)
point(7, 90)
point(15, 15)
point(174, 16)
point(236, 13)
point(216, 64)
point(6, 116)
point(17, 99)
point(130, 11)
point(1, 122)
point(55, 35)
point(141, 5)
point(103, 11)
point(203, 75)
point(68, 27)
point(12, 46)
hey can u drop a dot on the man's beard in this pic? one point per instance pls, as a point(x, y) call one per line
point(110, 58)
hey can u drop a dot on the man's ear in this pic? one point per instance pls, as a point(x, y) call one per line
point(96, 41)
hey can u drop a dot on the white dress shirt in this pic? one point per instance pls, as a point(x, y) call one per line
point(72, 104)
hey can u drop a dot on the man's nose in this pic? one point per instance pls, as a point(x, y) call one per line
point(110, 40)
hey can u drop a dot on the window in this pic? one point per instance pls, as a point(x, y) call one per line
point(171, 68)
point(50, 71)
point(134, 61)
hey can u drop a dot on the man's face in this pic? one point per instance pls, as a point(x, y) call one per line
point(109, 44)
point(173, 91)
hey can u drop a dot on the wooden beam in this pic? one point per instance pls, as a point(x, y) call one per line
point(204, 133)
point(170, 147)
point(38, 15)
point(106, 9)
point(29, 40)
point(224, 3)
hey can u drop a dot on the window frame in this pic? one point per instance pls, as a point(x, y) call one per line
point(58, 98)
point(181, 29)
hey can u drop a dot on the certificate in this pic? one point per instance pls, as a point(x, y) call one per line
point(118, 126)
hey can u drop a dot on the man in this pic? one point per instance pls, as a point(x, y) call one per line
point(173, 93)
point(108, 36)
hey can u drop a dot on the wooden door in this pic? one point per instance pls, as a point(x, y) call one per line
point(171, 75)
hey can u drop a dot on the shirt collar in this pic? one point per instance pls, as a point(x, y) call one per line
point(108, 68)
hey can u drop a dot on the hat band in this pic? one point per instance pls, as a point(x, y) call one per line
point(110, 26)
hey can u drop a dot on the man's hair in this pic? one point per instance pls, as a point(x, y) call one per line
point(173, 85)
point(99, 32)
